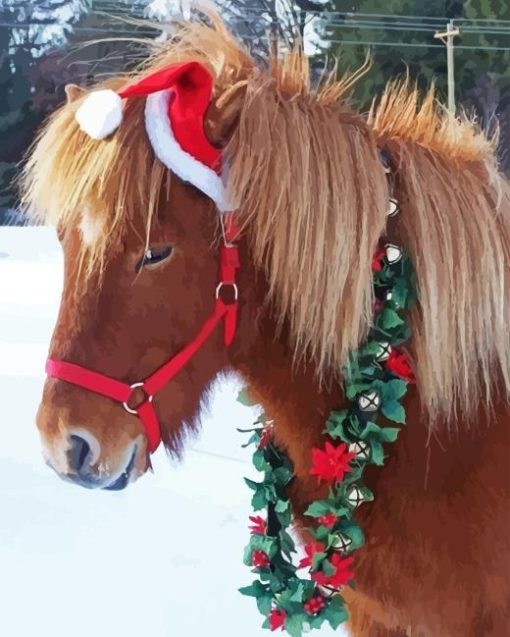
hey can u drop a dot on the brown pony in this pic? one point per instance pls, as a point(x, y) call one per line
point(312, 197)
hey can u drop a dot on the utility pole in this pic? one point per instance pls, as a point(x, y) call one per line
point(446, 38)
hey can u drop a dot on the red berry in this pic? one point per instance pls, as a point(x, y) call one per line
point(259, 559)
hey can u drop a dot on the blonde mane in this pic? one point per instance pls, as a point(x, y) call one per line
point(312, 200)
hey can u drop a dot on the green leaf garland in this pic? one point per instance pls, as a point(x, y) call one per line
point(376, 379)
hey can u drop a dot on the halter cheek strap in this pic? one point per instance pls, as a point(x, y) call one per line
point(147, 389)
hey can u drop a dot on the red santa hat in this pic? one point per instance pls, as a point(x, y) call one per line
point(177, 98)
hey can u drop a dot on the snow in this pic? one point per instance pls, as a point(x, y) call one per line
point(162, 558)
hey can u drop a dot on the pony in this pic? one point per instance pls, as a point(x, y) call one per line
point(141, 257)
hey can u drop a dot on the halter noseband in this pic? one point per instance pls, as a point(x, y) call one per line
point(124, 392)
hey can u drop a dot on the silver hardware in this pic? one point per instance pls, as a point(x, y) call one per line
point(129, 409)
point(222, 284)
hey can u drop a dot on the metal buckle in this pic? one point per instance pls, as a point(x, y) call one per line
point(148, 397)
point(221, 285)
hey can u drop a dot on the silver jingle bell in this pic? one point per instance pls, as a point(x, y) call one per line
point(384, 351)
point(341, 543)
point(327, 591)
point(355, 496)
point(393, 207)
point(361, 449)
point(393, 253)
point(369, 401)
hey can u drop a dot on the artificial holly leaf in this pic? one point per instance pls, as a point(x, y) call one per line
point(394, 389)
point(394, 411)
point(353, 389)
point(254, 486)
point(336, 612)
point(338, 417)
point(316, 560)
point(283, 475)
point(297, 595)
point(318, 508)
point(255, 589)
point(399, 292)
point(368, 496)
point(259, 500)
point(286, 542)
point(383, 434)
point(264, 601)
point(294, 624)
point(389, 319)
point(316, 621)
point(259, 461)
point(282, 506)
point(321, 533)
point(389, 434)
point(254, 439)
point(376, 453)
point(327, 568)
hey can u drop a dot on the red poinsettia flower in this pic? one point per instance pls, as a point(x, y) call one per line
point(259, 559)
point(377, 265)
point(331, 463)
point(341, 575)
point(259, 525)
point(398, 364)
point(329, 520)
point(277, 618)
point(310, 550)
point(315, 605)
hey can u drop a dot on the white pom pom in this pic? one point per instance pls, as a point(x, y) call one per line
point(100, 114)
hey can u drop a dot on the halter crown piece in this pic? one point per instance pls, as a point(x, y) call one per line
point(376, 379)
point(177, 98)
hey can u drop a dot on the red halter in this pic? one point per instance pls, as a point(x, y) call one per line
point(123, 392)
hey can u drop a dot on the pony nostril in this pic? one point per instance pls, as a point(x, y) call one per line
point(79, 453)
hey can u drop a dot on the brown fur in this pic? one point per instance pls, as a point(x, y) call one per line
point(312, 198)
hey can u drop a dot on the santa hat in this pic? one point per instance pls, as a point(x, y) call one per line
point(177, 98)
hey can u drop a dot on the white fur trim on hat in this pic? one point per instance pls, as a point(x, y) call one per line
point(100, 114)
point(180, 162)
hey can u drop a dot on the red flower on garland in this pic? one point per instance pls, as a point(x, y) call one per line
point(310, 550)
point(329, 520)
point(265, 437)
point(259, 559)
point(277, 618)
point(341, 575)
point(332, 463)
point(259, 525)
point(398, 364)
point(377, 265)
point(315, 605)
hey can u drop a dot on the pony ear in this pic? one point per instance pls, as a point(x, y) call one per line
point(223, 114)
point(73, 92)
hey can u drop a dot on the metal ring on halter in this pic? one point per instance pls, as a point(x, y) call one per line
point(222, 284)
point(129, 409)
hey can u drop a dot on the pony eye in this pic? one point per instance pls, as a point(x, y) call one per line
point(153, 256)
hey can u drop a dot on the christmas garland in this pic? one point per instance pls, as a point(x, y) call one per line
point(376, 379)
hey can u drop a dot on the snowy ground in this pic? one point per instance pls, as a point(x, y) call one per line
point(161, 559)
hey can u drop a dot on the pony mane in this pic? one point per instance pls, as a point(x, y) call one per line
point(455, 221)
point(313, 199)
